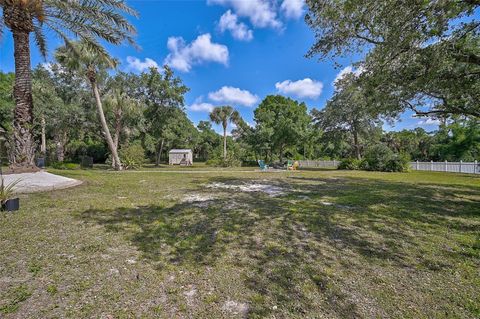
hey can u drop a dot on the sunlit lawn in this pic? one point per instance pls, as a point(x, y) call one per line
point(313, 244)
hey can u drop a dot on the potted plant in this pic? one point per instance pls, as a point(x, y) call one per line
point(6, 196)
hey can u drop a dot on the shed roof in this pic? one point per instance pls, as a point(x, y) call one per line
point(180, 151)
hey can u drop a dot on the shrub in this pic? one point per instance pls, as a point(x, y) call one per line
point(377, 157)
point(132, 156)
point(399, 163)
point(230, 161)
point(64, 165)
point(381, 158)
point(350, 164)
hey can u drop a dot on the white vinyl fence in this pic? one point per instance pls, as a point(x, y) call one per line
point(318, 164)
point(453, 167)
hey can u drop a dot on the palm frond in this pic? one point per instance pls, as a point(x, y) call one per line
point(2, 25)
point(40, 39)
point(86, 18)
point(7, 191)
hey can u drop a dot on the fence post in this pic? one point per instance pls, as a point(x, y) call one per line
point(460, 167)
point(446, 166)
point(475, 163)
point(416, 165)
point(334, 163)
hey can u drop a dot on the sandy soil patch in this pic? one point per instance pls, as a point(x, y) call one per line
point(271, 190)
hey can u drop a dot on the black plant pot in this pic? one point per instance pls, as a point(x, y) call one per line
point(41, 162)
point(11, 205)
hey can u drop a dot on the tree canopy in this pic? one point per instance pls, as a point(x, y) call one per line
point(418, 55)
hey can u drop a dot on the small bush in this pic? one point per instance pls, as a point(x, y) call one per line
point(64, 165)
point(132, 156)
point(350, 164)
point(381, 158)
point(399, 163)
point(377, 157)
point(230, 161)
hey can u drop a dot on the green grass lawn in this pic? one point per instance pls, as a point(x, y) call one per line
point(232, 244)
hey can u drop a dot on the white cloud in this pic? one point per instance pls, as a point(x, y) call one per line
point(201, 107)
point(261, 13)
point(135, 64)
point(429, 122)
point(228, 94)
point(229, 21)
point(292, 8)
point(183, 56)
point(48, 66)
point(306, 88)
point(347, 70)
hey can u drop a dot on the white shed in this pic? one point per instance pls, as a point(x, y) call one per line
point(180, 157)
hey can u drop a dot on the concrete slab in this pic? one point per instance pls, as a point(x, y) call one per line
point(39, 182)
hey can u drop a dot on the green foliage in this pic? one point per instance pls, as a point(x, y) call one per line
point(223, 115)
point(52, 289)
point(6, 99)
point(16, 295)
point(229, 161)
point(381, 158)
point(7, 191)
point(132, 155)
point(65, 166)
point(377, 157)
point(420, 55)
point(398, 163)
point(166, 124)
point(88, 147)
point(86, 20)
point(208, 140)
point(281, 123)
point(348, 114)
point(350, 164)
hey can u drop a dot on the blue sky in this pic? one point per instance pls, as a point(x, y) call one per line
point(228, 52)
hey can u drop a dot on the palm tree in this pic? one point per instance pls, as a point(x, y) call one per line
point(84, 19)
point(223, 115)
point(120, 103)
point(80, 57)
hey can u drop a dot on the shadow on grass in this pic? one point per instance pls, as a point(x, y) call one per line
point(288, 247)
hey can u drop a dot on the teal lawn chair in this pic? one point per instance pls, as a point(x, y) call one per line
point(289, 164)
point(262, 165)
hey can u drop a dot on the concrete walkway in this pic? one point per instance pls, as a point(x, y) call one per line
point(39, 182)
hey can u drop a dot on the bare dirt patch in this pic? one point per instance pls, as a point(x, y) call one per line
point(248, 187)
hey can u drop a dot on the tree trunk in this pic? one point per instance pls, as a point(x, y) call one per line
point(43, 147)
point(106, 131)
point(224, 142)
point(24, 145)
point(116, 136)
point(60, 141)
point(118, 128)
point(357, 147)
point(280, 154)
point(159, 153)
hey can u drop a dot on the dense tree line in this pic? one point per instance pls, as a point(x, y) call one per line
point(146, 111)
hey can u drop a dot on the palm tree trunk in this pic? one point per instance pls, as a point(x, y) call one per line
point(24, 145)
point(224, 142)
point(60, 142)
point(116, 135)
point(103, 121)
point(118, 128)
point(43, 147)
